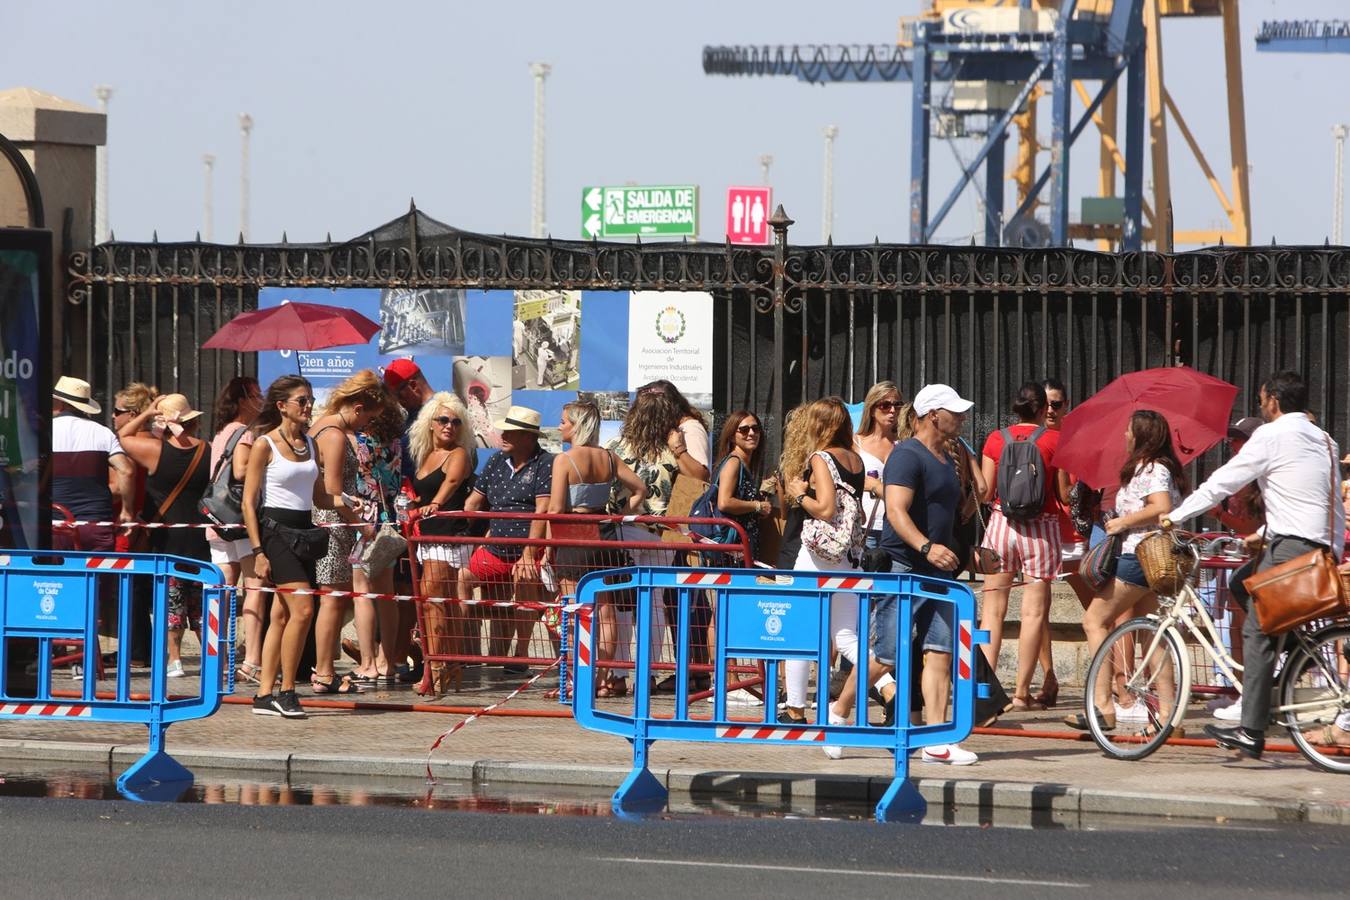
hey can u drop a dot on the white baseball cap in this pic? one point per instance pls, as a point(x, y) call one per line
point(939, 396)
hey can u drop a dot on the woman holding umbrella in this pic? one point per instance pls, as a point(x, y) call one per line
point(1151, 483)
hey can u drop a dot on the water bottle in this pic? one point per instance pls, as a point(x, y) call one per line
point(402, 505)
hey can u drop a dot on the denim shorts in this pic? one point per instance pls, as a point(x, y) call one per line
point(1129, 571)
point(932, 624)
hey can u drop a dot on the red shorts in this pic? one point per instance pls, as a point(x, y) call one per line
point(488, 566)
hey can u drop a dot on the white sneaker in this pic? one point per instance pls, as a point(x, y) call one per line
point(175, 669)
point(1218, 702)
point(950, 754)
point(832, 751)
point(77, 673)
point(742, 697)
point(1135, 712)
point(1230, 713)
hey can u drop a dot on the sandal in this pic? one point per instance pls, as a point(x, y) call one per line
point(1049, 693)
point(1107, 722)
point(1025, 704)
point(246, 671)
point(335, 685)
point(1326, 737)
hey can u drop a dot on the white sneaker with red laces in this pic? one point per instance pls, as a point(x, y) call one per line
point(950, 754)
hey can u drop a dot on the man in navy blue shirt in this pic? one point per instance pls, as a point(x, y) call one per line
point(517, 479)
point(923, 494)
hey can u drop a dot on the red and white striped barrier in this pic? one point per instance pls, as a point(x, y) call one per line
point(109, 562)
point(59, 710)
point(703, 578)
point(963, 651)
point(770, 733)
point(584, 640)
point(843, 583)
point(213, 628)
point(79, 523)
point(365, 595)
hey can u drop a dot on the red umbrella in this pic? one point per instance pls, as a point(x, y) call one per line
point(293, 326)
point(1197, 407)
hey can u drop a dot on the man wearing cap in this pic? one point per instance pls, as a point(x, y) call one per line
point(518, 479)
point(922, 492)
point(410, 388)
point(82, 452)
point(1295, 464)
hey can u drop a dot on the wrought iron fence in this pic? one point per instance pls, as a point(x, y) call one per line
point(794, 322)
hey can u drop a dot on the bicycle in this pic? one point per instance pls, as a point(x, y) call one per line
point(1146, 660)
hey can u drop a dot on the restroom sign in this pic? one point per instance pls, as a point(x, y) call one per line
point(748, 210)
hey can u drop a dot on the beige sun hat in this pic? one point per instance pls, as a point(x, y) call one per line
point(76, 393)
point(519, 418)
point(176, 408)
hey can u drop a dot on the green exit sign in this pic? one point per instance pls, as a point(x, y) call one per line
point(664, 210)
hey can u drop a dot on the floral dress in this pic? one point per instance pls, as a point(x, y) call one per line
point(379, 475)
point(336, 567)
point(658, 475)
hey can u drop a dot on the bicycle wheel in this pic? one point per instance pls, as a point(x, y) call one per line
point(1149, 688)
point(1314, 692)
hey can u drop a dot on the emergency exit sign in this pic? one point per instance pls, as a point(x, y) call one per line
point(640, 211)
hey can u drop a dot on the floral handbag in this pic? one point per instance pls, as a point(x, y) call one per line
point(841, 536)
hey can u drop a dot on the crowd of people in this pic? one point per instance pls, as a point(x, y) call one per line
point(901, 492)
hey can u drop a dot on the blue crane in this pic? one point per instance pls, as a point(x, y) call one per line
point(944, 50)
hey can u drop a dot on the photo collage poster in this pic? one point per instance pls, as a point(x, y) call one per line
point(527, 348)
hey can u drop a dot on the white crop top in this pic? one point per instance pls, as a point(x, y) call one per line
point(290, 485)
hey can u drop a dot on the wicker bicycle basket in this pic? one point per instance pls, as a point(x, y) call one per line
point(1166, 566)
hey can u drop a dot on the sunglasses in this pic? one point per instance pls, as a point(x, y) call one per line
point(748, 429)
point(301, 401)
point(888, 405)
point(1057, 404)
point(119, 411)
point(446, 420)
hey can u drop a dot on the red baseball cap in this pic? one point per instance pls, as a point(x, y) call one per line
point(399, 371)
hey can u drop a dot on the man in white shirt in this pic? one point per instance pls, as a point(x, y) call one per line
point(1294, 464)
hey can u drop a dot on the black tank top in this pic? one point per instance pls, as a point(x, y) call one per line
point(426, 489)
point(796, 516)
point(173, 462)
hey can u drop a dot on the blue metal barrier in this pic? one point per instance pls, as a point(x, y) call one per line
point(773, 615)
point(54, 597)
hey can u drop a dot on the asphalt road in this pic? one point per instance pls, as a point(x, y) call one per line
point(78, 848)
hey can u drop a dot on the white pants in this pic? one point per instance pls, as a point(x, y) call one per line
point(843, 626)
point(657, 556)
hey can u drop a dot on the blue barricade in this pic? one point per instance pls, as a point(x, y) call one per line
point(53, 597)
point(772, 615)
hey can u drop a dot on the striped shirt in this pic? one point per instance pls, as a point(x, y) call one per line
point(81, 449)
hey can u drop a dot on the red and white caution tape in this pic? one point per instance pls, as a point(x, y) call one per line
point(484, 711)
point(82, 523)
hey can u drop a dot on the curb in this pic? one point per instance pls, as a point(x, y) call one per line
point(1008, 803)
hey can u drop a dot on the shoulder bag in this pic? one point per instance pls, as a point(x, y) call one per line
point(841, 536)
point(223, 503)
point(382, 550)
point(1306, 587)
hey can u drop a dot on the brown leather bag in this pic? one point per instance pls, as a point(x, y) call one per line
point(1306, 587)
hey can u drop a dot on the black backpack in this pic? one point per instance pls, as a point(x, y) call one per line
point(1021, 477)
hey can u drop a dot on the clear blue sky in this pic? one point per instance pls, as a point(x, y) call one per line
point(360, 106)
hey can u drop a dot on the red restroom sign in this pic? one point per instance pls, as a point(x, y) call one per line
point(748, 210)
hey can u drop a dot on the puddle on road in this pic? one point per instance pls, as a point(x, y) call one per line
point(216, 787)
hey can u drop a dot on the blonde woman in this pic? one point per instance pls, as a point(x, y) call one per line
point(128, 403)
point(351, 407)
point(584, 475)
point(817, 464)
point(878, 430)
point(442, 447)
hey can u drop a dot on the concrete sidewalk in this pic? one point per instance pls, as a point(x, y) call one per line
point(1020, 776)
